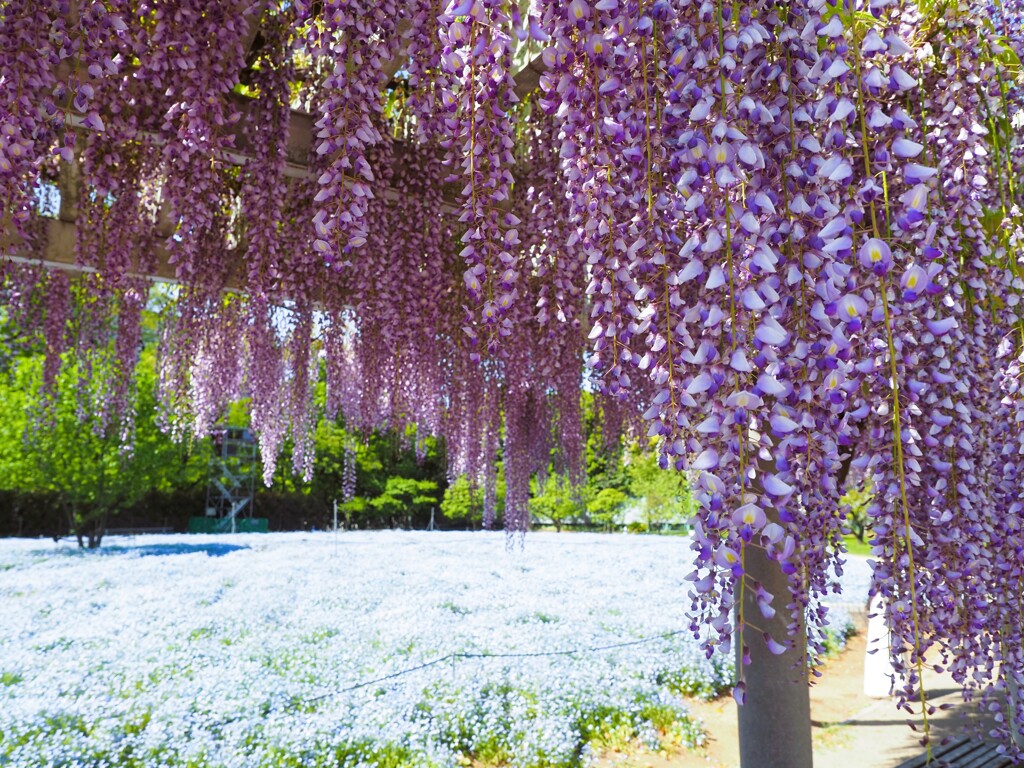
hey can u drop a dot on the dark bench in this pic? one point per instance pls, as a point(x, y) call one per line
point(962, 753)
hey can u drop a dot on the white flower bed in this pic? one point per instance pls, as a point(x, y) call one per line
point(237, 650)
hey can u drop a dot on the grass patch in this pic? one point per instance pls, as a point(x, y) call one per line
point(455, 608)
point(831, 736)
point(538, 617)
point(856, 547)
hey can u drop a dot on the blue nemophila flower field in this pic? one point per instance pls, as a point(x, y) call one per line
point(290, 649)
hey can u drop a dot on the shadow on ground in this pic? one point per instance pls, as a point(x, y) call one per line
point(851, 730)
point(212, 549)
point(867, 738)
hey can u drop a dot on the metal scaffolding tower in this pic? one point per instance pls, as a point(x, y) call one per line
point(232, 477)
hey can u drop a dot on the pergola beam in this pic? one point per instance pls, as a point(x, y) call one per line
point(61, 233)
point(60, 252)
point(84, 268)
point(302, 126)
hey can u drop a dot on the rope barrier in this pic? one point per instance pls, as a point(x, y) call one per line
point(466, 655)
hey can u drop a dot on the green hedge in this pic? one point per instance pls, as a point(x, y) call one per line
point(40, 514)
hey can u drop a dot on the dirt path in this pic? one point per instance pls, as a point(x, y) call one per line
point(850, 730)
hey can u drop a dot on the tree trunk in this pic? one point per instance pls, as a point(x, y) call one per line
point(73, 524)
point(775, 722)
point(94, 529)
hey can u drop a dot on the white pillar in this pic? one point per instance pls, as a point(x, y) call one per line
point(879, 676)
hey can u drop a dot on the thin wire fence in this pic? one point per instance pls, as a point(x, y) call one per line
point(453, 657)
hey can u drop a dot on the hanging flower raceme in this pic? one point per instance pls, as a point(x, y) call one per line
point(424, 46)
point(302, 415)
point(56, 53)
point(265, 188)
point(556, 272)
point(58, 306)
point(266, 384)
point(767, 446)
point(584, 88)
point(361, 39)
point(476, 96)
point(202, 51)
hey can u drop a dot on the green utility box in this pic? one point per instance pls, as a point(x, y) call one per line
point(223, 525)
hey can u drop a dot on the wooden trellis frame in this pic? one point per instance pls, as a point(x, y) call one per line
point(61, 233)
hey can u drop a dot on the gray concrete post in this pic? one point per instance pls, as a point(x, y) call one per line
point(775, 722)
point(1013, 697)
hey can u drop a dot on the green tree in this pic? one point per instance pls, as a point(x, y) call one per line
point(403, 498)
point(393, 485)
point(857, 500)
point(556, 501)
point(665, 494)
point(605, 506)
point(604, 456)
point(463, 503)
point(88, 470)
point(380, 456)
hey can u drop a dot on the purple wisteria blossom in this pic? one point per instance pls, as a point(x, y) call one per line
point(782, 242)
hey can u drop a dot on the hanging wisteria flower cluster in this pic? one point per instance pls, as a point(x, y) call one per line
point(784, 238)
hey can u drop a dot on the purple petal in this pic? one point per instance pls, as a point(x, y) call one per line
point(942, 326)
point(773, 646)
point(770, 332)
point(904, 148)
point(916, 174)
point(739, 692)
point(776, 487)
point(707, 460)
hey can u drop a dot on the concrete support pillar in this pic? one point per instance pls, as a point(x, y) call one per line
point(775, 723)
point(68, 183)
point(1013, 701)
point(879, 675)
point(1013, 696)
